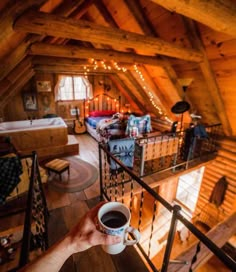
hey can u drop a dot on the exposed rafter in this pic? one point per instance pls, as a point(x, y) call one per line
point(69, 51)
point(218, 15)
point(42, 23)
point(209, 77)
point(138, 13)
point(8, 82)
point(19, 84)
point(11, 61)
point(132, 95)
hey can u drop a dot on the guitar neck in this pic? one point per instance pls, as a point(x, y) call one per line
point(76, 113)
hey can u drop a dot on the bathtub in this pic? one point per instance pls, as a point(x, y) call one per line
point(39, 133)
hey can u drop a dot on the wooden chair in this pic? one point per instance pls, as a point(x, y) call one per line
point(58, 166)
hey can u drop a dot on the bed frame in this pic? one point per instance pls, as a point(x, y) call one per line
point(101, 102)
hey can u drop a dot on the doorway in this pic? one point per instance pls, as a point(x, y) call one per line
point(188, 189)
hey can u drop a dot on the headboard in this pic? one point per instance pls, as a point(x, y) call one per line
point(101, 102)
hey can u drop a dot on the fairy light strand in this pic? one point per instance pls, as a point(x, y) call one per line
point(95, 64)
point(150, 94)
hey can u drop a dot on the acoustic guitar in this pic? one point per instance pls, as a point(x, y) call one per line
point(79, 126)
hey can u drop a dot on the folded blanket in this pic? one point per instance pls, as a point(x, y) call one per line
point(10, 171)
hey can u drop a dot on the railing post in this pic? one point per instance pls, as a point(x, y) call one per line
point(171, 236)
point(100, 171)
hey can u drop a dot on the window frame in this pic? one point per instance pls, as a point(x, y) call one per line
point(73, 91)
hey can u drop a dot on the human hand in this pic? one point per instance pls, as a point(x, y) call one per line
point(85, 234)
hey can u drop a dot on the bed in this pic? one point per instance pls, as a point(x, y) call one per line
point(103, 119)
point(105, 127)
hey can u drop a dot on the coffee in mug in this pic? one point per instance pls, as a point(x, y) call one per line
point(114, 219)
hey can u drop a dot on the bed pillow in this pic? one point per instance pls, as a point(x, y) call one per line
point(101, 113)
point(143, 123)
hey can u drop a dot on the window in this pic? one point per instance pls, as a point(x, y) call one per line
point(189, 187)
point(73, 88)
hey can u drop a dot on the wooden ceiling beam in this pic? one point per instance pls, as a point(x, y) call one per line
point(10, 12)
point(19, 84)
point(81, 63)
point(148, 29)
point(122, 84)
point(70, 51)
point(14, 75)
point(209, 77)
point(66, 8)
point(58, 61)
point(139, 91)
point(129, 97)
point(105, 13)
point(75, 69)
point(218, 15)
point(12, 60)
point(165, 107)
point(48, 24)
point(73, 9)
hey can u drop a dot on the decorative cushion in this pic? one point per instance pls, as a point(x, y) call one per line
point(123, 150)
point(143, 123)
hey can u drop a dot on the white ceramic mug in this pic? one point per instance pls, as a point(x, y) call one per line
point(108, 215)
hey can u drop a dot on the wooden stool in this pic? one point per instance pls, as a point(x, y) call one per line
point(58, 166)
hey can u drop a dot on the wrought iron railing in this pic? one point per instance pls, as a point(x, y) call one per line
point(153, 215)
point(35, 234)
point(171, 151)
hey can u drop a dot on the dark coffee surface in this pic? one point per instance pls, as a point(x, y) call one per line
point(114, 219)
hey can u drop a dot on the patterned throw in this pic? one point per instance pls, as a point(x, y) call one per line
point(10, 171)
point(123, 150)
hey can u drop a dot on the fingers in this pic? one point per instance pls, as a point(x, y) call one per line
point(104, 239)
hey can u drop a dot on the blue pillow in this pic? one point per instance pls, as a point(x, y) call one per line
point(143, 123)
point(123, 150)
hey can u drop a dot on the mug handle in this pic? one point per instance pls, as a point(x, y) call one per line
point(136, 235)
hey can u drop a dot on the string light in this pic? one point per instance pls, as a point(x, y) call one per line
point(150, 94)
point(95, 64)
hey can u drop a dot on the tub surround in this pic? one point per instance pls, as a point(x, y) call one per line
point(45, 136)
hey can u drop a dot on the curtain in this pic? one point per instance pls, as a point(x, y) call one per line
point(57, 89)
point(72, 87)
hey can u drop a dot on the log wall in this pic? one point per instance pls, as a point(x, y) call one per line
point(14, 110)
point(223, 165)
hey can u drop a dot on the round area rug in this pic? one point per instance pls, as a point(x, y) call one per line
point(82, 175)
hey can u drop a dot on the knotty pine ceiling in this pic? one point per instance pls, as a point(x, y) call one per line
point(172, 42)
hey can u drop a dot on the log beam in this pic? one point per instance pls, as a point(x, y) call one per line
point(17, 87)
point(130, 90)
point(78, 52)
point(218, 15)
point(77, 69)
point(9, 81)
point(176, 90)
point(43, 23)
point(209, 77)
